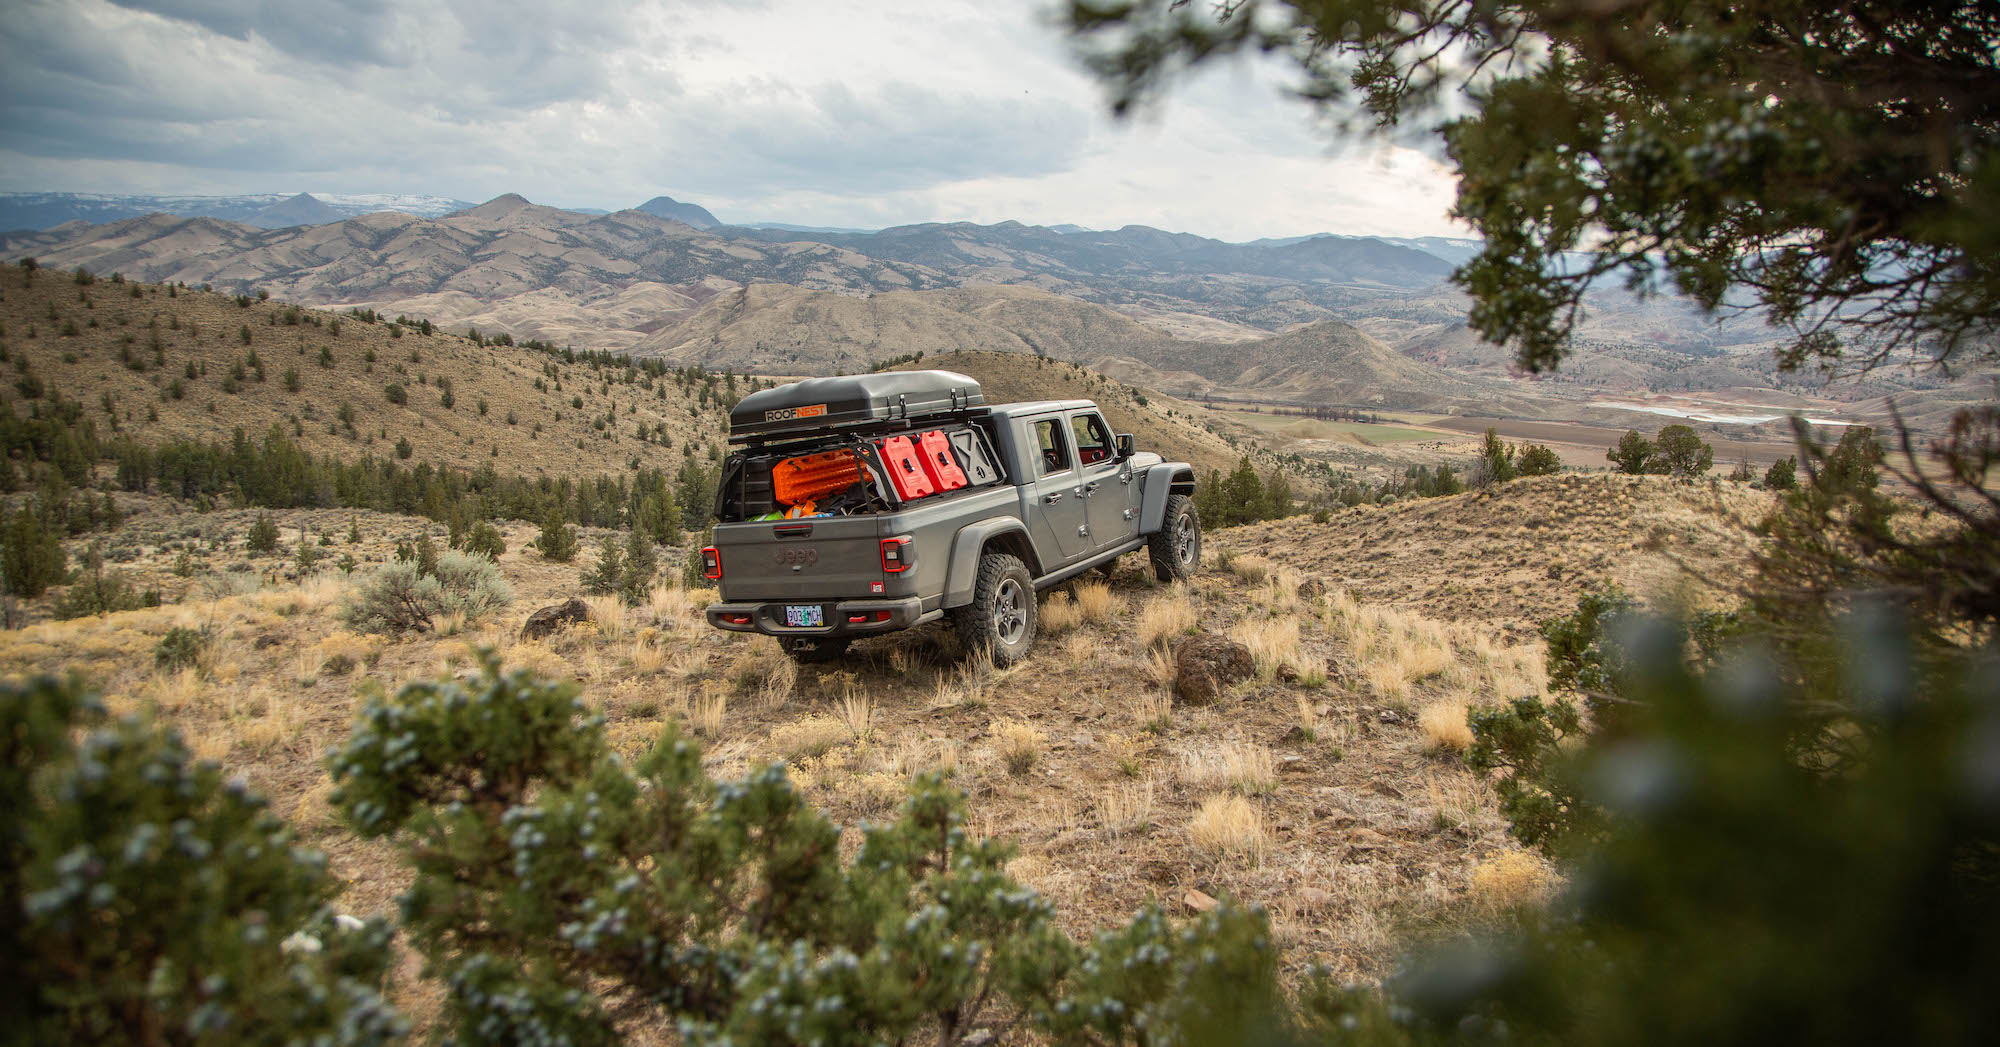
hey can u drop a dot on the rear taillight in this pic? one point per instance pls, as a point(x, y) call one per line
point(711, 563)
point(895, 554)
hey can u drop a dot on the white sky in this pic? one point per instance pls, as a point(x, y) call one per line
point(849, 114)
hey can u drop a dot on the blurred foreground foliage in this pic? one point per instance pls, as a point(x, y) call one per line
point(149, 901)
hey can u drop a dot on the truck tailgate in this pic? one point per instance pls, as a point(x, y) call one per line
point(828, 557)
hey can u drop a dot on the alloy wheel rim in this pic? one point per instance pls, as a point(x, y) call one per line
point(1009, 619)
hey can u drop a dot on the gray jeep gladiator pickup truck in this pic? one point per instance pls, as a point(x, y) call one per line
point(864, 504)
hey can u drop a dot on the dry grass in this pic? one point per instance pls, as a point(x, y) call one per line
point(607, 614)
point(305, 666)
point(1387, 679)
point(1126, 809)
point(648, 654)
point(1166, 618)
point(1019, 744)
point(1080, 649)
point(1273, 643)
point(1307, 716)
point(857, 712)
point(1097, 603)
point(1444, 725)
point(1227, 825)
point(1512, 880)
point(1244, 767)
point(1058, 615)
point(706, 712)
point(1252, 569)
point(801, 740)
point(341, 651)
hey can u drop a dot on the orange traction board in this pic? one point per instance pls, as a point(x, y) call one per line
point(906, 468)
point(939, 465)
point(811, 476)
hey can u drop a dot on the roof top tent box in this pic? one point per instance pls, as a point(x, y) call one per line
point(859, 401)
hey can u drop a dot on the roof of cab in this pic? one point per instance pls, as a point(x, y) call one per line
point(1028, 407)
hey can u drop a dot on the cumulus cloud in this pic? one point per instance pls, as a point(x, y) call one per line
point(791, 110)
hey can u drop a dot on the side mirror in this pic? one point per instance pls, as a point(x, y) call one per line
point(1125, 445)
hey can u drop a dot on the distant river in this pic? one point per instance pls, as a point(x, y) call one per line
point(1720, 417)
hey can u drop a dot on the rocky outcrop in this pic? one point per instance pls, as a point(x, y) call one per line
point(1205, 665)
point(553, 617)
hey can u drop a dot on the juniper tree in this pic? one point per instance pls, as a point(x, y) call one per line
point(263, 535)
point(32, 556)
point(1783, 474)
point(608, 573)
point(152, 900)
point(561, 888)
point(1682, 453)
point(1832, 163)
point(557, 540)
point(1633, 454)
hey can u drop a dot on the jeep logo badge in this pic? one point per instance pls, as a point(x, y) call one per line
point(797, 556)
point(789, 413)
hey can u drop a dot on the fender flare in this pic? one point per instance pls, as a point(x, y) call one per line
point(1161, 480)
point(963, 570)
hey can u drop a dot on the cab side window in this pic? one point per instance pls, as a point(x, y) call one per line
point(1055, 449)
point(1093, 441)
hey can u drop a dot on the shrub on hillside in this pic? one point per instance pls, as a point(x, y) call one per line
point(557, 540)
point(181, 648)
point(1539, 460)
point(562, 886)
point(1783, 475)
point(152, 901)
point(263, 535)
point(398, 597)
point(604, 576)
point(484, 539)
point(1496, 458)
point(1680, 452)
point(31, 555)
point(1633, 454)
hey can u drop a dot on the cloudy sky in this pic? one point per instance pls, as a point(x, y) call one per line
point(846, 114)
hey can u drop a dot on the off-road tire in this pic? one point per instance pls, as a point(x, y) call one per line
point(1002, 615)
point(814, 652)
point(1175, 548)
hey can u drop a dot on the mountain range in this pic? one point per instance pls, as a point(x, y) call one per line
point(1322, 318)
point(37, 211)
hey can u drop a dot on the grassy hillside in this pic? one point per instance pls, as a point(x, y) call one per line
point(126, 350)
point(1515, 554)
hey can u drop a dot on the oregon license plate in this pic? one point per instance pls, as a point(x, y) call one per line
point(809, 614)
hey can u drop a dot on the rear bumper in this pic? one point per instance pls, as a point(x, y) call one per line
point(879, 616)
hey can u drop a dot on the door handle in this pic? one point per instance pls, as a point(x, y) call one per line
point(1056, 497)
point(1089, 487)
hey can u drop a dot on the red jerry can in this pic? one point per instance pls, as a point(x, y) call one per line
point(906, 470)
point(938, 463)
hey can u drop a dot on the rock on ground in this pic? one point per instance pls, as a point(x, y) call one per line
point(553, 617)
point(1206, 664)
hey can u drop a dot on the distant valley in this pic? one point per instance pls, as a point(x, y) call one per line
point(1353, 321)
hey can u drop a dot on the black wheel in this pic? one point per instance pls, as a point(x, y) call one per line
point(812, 652)
point(1175, 548)
point(1001, 616)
